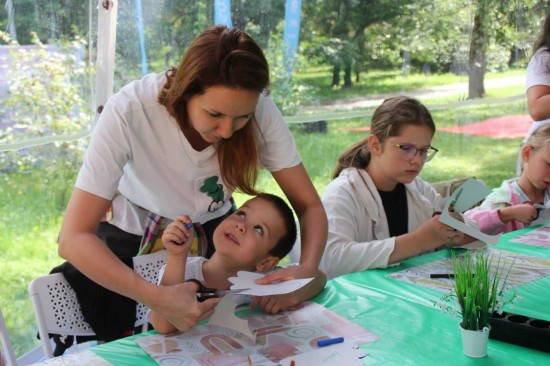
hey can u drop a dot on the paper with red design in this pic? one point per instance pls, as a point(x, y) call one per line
point(539, 237)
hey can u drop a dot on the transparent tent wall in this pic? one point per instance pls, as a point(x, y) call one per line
point(46, 78)
point(46, 92)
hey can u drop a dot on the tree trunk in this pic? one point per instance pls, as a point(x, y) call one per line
point(335, 75)
point(11, 20)
point(347, 75)
point(476, 61)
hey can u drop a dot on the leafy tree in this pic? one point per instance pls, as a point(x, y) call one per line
point(338, 27)
point(491, 45)
point(46, 85)
point(259, 18)
point(433, 33)
point(47, 19)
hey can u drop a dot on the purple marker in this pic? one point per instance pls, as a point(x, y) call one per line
point(328, 342)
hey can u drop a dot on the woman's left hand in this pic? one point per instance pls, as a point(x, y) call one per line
point(286, 274)
point(276, 303)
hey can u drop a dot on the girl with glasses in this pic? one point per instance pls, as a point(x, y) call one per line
point(379, 211)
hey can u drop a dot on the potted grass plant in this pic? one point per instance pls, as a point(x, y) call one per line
point(480, 291)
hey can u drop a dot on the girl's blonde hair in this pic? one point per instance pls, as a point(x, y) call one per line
point(388, 120)
point(540, 138)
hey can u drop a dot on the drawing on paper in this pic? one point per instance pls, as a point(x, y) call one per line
point(539, 237)
point(525, 269)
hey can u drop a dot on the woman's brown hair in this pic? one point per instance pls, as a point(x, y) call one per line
point(543, 40)
point(228, 57)
point(387, 121)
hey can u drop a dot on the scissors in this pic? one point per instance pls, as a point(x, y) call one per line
point(537, 206)
point(205, 293)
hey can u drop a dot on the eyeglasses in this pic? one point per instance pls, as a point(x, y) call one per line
point(409, 152)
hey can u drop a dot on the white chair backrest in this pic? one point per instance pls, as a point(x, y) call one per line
point(57, 310)
point(7, 349)
point(147, 266)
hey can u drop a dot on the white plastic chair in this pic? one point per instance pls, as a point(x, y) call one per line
point(147, 266)
point(57, 310)
point(7, 349)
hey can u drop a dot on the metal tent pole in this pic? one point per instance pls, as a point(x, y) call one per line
point(105, 63)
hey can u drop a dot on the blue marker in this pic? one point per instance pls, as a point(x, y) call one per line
point(328, 342)
point(189, 226)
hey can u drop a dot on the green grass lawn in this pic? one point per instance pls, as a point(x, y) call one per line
point(33, 196)
point(379, 82)
point(31, 216)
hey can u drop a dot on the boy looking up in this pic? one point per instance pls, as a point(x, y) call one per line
point(254, 238)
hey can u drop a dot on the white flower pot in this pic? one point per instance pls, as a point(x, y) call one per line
point(474, 342)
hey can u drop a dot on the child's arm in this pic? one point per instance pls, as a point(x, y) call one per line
point(429, 236)
point(177, 241)
point(278, 303)
point(493, 220)
point(524, 213)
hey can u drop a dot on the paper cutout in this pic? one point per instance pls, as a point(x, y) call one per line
point(224, 316)
point(278, 336)
point(468, 194)
point(247, 280)
point(336, 355)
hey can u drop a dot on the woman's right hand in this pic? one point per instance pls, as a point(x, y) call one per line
point(178, 304)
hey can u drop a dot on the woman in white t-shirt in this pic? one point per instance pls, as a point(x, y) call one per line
point(538, 83)
point(538, 76)
point(182, 142)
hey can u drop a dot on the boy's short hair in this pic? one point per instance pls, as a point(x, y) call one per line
point(285, 244)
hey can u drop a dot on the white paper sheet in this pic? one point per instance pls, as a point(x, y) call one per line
point(336, 355)
point(247, 280)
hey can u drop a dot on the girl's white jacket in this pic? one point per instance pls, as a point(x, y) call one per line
point(358, 233)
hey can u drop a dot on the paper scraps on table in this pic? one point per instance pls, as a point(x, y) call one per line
point(279, 336)
point(247, 280)
point(336, 355)
point(224, 316)
point(465, 197)
point(82, 358)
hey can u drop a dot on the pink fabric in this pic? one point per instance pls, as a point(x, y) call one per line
point(489, 222)
point(505, 127)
